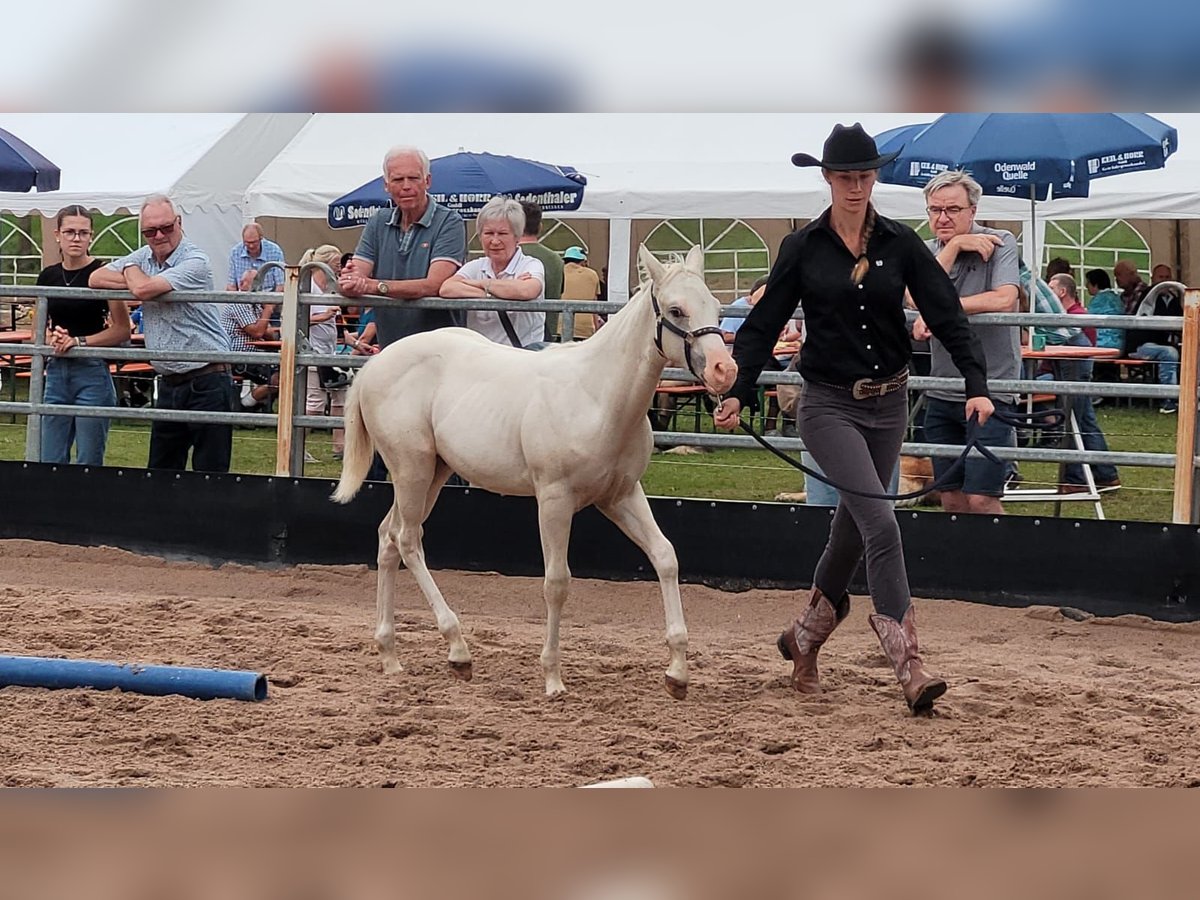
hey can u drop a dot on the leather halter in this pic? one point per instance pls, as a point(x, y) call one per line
point(689, 337)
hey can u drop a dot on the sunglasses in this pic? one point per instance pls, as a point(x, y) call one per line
point(166, 230)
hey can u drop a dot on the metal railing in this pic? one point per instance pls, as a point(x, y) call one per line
point(295, 356)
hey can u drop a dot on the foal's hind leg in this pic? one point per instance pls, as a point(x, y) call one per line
point(414, 499)
point(554, 520)
point(631, 513)
point(385, 594)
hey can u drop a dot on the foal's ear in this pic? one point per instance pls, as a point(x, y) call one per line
point(653, 267)
point(694, 262)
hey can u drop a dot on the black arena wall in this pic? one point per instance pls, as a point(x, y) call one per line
point(1107, 568)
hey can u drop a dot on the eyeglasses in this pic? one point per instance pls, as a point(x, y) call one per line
point(167, 230)
point(935, 212)
point(72, 235)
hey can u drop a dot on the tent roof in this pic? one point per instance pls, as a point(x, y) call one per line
point(649, 165)
point(113, 161)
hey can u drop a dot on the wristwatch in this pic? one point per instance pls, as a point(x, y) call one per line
point(382, 288)
point(82, 341)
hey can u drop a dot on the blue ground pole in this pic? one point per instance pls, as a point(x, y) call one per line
point(201, 684)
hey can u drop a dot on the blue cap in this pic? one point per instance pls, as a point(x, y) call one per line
point(575, 253)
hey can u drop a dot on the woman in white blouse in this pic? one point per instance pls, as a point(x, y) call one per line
point(505, 273)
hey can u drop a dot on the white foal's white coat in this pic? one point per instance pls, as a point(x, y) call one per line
point(567, 425)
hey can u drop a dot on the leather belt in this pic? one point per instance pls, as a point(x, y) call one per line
point(866, 388)
point(177, 378)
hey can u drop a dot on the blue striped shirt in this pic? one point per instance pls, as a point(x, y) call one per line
point(170, 322)
point(241, 262)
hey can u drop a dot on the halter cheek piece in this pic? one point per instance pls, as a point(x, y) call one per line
point(689, 337)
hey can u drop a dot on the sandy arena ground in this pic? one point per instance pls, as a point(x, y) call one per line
point(1035, 698)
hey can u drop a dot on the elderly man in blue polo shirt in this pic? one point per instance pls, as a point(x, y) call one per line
point(407, 252)
point(157, 274)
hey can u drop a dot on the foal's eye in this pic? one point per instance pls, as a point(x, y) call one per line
point(676, 312)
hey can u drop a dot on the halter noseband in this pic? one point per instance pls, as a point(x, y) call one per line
point(689, 337)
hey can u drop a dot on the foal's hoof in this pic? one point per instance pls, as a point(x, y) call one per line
point(676, 688)
point(462, 670)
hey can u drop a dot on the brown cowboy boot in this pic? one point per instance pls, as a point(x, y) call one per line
point(899, 642)
point(801, 641)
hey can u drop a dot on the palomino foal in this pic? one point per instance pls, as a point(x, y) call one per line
point(567, 425)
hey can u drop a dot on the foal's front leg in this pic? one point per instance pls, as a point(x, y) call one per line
point(631, 513)
point(554, 520)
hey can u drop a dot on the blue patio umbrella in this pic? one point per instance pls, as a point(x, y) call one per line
point(467, 181)
point(1036, 155)
point(22, 168)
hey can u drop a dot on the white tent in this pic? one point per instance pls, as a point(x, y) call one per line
point(111, 162)
point(652, 165)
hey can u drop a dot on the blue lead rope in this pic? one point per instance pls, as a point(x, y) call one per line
point(1040, 420)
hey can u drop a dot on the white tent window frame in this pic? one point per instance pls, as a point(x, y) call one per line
point(738, 265)
point(10, 267)
point(1070, 238)
point(112, 228)
point(557, 226)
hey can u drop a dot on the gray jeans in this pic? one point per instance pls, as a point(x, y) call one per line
point(856, 443)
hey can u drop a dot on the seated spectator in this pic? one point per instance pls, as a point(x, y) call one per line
point(1057, 266)
point(245, 259)
point(1043, 300)
point(363, 342)
point(322, 338)
point(72, 380)
point(1160, 273)
point(1080, 405)
point(503, 272)
point(260, 383)
point(730, 324)
point(1104, 301)
point(1161, 347)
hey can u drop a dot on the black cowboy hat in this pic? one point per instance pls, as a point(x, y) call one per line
point(847, 148)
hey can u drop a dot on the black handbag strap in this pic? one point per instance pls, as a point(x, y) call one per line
point(509, 330)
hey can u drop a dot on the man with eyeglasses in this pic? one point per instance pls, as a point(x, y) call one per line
point(983, 264)
point(245, 259)
point(157, 274)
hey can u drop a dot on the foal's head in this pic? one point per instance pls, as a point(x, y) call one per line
point(687, 317)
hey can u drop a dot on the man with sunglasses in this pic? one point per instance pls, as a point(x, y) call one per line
point(158, 274)
point(984, 265)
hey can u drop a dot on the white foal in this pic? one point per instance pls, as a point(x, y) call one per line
point(567, 425)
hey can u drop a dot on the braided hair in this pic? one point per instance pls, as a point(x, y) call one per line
point(862, 264)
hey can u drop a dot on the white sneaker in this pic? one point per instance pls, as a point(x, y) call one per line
point(309, 458)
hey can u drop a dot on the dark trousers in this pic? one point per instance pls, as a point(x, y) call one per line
point(211, 445)
point(857, 443)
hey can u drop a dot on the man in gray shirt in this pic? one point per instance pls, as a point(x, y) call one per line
point(156, 274)
point(408, 251)
point(983, 264)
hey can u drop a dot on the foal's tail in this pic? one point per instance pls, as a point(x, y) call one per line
point(359, 449)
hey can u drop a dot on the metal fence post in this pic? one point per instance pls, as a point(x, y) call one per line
point(288, 319)
point(1185, 507)
point(37, 382)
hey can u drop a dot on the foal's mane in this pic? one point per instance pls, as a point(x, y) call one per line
point(673, 268)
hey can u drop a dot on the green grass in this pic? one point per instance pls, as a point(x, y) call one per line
point(1145, 494)
point(721, 474)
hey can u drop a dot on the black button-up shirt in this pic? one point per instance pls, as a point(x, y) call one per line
point(855, 331)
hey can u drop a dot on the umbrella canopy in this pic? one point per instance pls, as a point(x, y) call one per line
point(467, 181)
point(1035, 155)
point(22, 168)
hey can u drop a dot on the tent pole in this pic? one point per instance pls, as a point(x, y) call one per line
point(620, 233)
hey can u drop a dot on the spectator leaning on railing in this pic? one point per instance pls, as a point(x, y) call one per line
point(157, 274)
point(72, 380)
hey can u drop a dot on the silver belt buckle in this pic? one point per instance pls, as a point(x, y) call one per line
point(863, 389)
